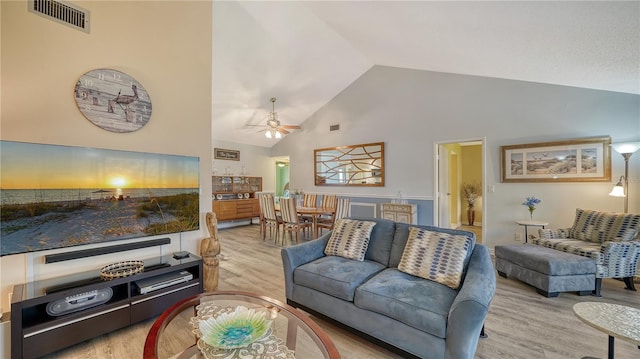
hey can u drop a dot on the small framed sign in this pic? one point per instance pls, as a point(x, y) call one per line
point(224, 154)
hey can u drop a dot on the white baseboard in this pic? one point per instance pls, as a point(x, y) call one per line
point(236, 223)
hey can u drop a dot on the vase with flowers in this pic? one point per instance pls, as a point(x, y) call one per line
point(531, 203)
point(470, 194)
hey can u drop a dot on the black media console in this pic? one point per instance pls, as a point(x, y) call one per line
point(55, 313)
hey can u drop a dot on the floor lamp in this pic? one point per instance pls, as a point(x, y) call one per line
point(621, 188)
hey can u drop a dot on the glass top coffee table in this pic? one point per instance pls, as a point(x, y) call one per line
point(293, 334)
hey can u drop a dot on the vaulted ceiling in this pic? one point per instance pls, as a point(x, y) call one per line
point(305, 52)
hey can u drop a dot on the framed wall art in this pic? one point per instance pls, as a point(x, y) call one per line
point(354, 165)
point(223, 154)
point(577, 160)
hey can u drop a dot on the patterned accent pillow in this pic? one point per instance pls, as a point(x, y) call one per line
point(598, 227)
point(435, 256)
point(350, 239)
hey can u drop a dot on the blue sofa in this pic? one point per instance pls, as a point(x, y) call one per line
point(410, 315)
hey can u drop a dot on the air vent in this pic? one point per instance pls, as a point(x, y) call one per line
point(64, 13)
point(334, 127)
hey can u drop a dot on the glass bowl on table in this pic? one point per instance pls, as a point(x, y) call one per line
point(292, 334)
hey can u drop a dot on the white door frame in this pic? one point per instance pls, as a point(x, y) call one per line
point(444, 199)
point(436, 179)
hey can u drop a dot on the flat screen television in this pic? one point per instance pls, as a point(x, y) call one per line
point(54, 196)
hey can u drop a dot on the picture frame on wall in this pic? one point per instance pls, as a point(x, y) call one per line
point(575, 160)
point(224, 154)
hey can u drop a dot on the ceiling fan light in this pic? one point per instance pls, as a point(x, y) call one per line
point(273, 124)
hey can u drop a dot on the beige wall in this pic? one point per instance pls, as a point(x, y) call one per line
point(166, 45)
point(257, 161)
point(471, 160)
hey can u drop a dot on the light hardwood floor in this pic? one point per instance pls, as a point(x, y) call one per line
point(475, 229)
point(521, 323)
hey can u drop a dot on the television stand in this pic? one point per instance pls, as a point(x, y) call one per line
point(52, 314)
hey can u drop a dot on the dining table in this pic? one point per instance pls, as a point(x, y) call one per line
point(315, 213)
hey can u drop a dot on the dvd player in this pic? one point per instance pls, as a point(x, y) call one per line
point(162, 281)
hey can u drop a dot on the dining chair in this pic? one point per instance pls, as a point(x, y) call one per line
point(271, 219)
point(290, 219)
point(261, 199)
point(310, 200)
point(329, 201)
point(342, 210)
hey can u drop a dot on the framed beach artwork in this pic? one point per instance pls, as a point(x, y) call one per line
point(55, 196)
point(577, 160)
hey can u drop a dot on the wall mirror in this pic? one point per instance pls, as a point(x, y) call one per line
point(355, 165)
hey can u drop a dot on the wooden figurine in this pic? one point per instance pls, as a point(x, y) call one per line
point(210, 253)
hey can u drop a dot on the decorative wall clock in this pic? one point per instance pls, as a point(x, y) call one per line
point(113, 100)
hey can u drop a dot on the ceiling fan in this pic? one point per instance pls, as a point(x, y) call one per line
point(274, 128)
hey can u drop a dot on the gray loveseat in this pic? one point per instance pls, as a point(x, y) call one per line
point(408, 314)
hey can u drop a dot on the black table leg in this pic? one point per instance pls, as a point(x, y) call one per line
point(611, 348)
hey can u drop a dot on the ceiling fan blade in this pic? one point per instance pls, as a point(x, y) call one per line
point(291, 127)
point(264, 129)
point(283, 131)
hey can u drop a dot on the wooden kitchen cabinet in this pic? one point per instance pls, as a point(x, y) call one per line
point(234, 197)
point(232, 209)
point(226, 185)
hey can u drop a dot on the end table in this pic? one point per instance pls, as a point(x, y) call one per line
point(527, 223)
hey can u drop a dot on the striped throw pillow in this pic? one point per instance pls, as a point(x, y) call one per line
point(349, 239)
point(435, 256)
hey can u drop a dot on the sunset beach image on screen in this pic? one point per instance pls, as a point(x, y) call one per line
point(54, 196)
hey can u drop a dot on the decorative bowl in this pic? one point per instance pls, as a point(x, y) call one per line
point(121, 269)
point(233, 330)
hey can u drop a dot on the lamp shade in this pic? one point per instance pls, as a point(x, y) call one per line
point(617, 191)
point(626, 147)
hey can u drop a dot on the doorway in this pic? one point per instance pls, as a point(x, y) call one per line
point(459, 165)
point(282, 177)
